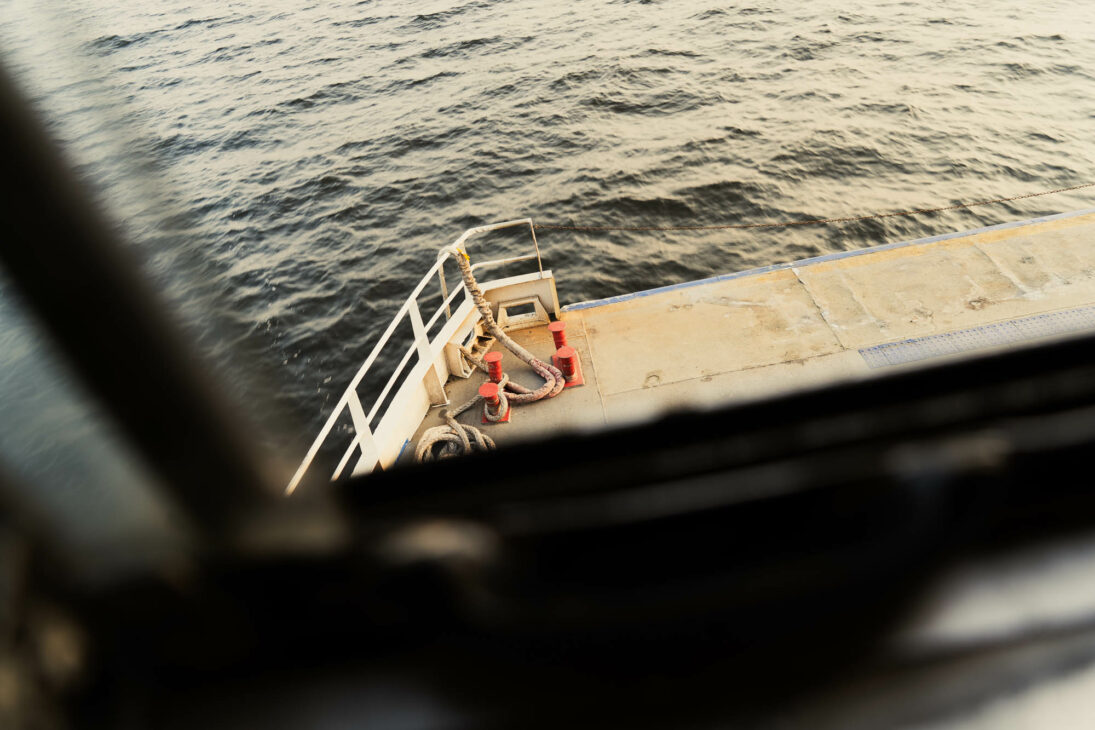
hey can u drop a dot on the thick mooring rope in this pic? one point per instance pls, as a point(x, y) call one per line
point(455, 438)
point(815, 221)
point(553, 377)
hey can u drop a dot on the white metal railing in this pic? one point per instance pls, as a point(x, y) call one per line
point(427, 350)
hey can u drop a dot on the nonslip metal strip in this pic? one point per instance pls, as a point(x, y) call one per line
point(977, 338)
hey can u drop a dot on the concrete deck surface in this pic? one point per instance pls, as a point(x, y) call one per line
point(796, 325)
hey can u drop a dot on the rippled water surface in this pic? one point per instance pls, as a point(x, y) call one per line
point(305, 162)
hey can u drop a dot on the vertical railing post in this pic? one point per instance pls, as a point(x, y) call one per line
point(444, 290)
point(361, 425)
point(536, 245)
point(434, 385)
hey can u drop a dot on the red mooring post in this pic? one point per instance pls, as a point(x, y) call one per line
point(494, 366)
point(489, 392)
point(558, 332)
point(566, 359)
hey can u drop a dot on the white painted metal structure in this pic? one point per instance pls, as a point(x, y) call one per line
point(434, 358)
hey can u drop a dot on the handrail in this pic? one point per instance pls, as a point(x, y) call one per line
point(350, 399)
point(512, 260)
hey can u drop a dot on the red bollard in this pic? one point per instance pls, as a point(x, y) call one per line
point(489, 392)
point(558, 332)
point(566, 359)
point(494, 366)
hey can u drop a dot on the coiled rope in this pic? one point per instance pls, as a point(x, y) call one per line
point(455, 438)
point(815, 221)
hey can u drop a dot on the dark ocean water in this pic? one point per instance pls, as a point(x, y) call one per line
point(288, 172)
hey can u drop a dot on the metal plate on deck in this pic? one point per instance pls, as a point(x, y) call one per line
point(986, 336)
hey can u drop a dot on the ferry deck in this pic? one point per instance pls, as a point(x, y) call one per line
point(731, 337)
point(807, 323)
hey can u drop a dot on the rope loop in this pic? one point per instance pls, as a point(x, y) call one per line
point(494, 416)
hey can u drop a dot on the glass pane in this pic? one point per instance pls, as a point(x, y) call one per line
point(67, 465)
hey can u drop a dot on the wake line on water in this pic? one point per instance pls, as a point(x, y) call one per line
point(813, 221)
